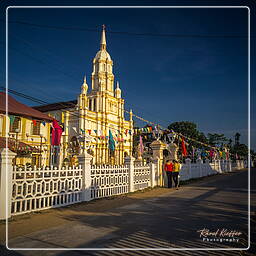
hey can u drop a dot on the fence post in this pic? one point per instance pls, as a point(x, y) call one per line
point(207, 164)
point(229, 165)
point(238, 164)
point(152, 167)
point(85, 162)
point(219, 166)
point(188, 165)
point(6, 172)
point(129, 161)
point(200, 162)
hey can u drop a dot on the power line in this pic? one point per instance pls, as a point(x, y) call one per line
point(125, 32)
point(79, 116)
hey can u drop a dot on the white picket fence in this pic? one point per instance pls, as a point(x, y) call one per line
point(34, 189)
point(199, 169)
point(109, 180)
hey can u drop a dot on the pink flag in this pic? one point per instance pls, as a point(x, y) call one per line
point(56, 133)
point(211, 153)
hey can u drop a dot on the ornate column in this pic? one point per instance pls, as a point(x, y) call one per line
point(129, 161)
point(158, 147)
point(85, 163)
point(173, 149)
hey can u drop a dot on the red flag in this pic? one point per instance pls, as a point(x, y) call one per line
point(56, 133)
point(184, 150)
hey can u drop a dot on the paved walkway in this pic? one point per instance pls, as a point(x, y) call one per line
point(170, 220)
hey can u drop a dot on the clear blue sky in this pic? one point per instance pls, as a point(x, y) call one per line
point(163, 78)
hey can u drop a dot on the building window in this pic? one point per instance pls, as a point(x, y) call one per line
point(15, 126)
point(95, 105)
point(35, 130)
point(90, 104)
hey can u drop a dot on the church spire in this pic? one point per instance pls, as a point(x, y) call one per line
point(117, 91)
point(84, 87)
point(103, 43)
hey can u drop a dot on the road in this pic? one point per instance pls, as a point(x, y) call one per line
point(168, 221)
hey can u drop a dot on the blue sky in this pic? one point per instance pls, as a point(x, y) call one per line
point(163, 78)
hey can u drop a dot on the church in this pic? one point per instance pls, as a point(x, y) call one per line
point(98, 113)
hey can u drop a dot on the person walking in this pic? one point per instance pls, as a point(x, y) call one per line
point(175, 174)
point(169, 170)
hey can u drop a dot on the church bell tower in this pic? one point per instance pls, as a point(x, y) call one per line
point(102, 75)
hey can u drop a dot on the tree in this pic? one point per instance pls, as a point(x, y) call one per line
point(240, 149)
point(189, 129)
point(217, 139)
point(237, 138)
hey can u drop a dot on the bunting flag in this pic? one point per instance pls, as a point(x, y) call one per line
point(34, 122)
point(89, 131)
point(95, 132)
point(74, 128)
point(12, 119)
point(183, 146)
point(43, 122)
point(111, 142)
point(141, 145)
point(211, 153)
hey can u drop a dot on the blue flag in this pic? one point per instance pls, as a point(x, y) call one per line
point(111, 142)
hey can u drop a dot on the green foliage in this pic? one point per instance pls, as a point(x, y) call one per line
point(189, 129)
point(240, 149)
point(217, 139)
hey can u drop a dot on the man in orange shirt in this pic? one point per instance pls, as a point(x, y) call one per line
point(169, 171)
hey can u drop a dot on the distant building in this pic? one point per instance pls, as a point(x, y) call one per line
point(27, 131)
point(95, 113)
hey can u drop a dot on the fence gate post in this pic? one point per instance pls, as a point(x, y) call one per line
point(85, 162)
point(129, 161)
point(152, 174)
point(6, 171)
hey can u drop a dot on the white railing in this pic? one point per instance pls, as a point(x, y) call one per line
point(109, 180)
point(142, 177)
point(36, 189)
point(196, 170)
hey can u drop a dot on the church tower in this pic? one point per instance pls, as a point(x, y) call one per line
point(104, 111)
point(102, 76)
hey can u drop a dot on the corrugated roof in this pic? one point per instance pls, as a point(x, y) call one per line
point(56, 106)
point(19, 109)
